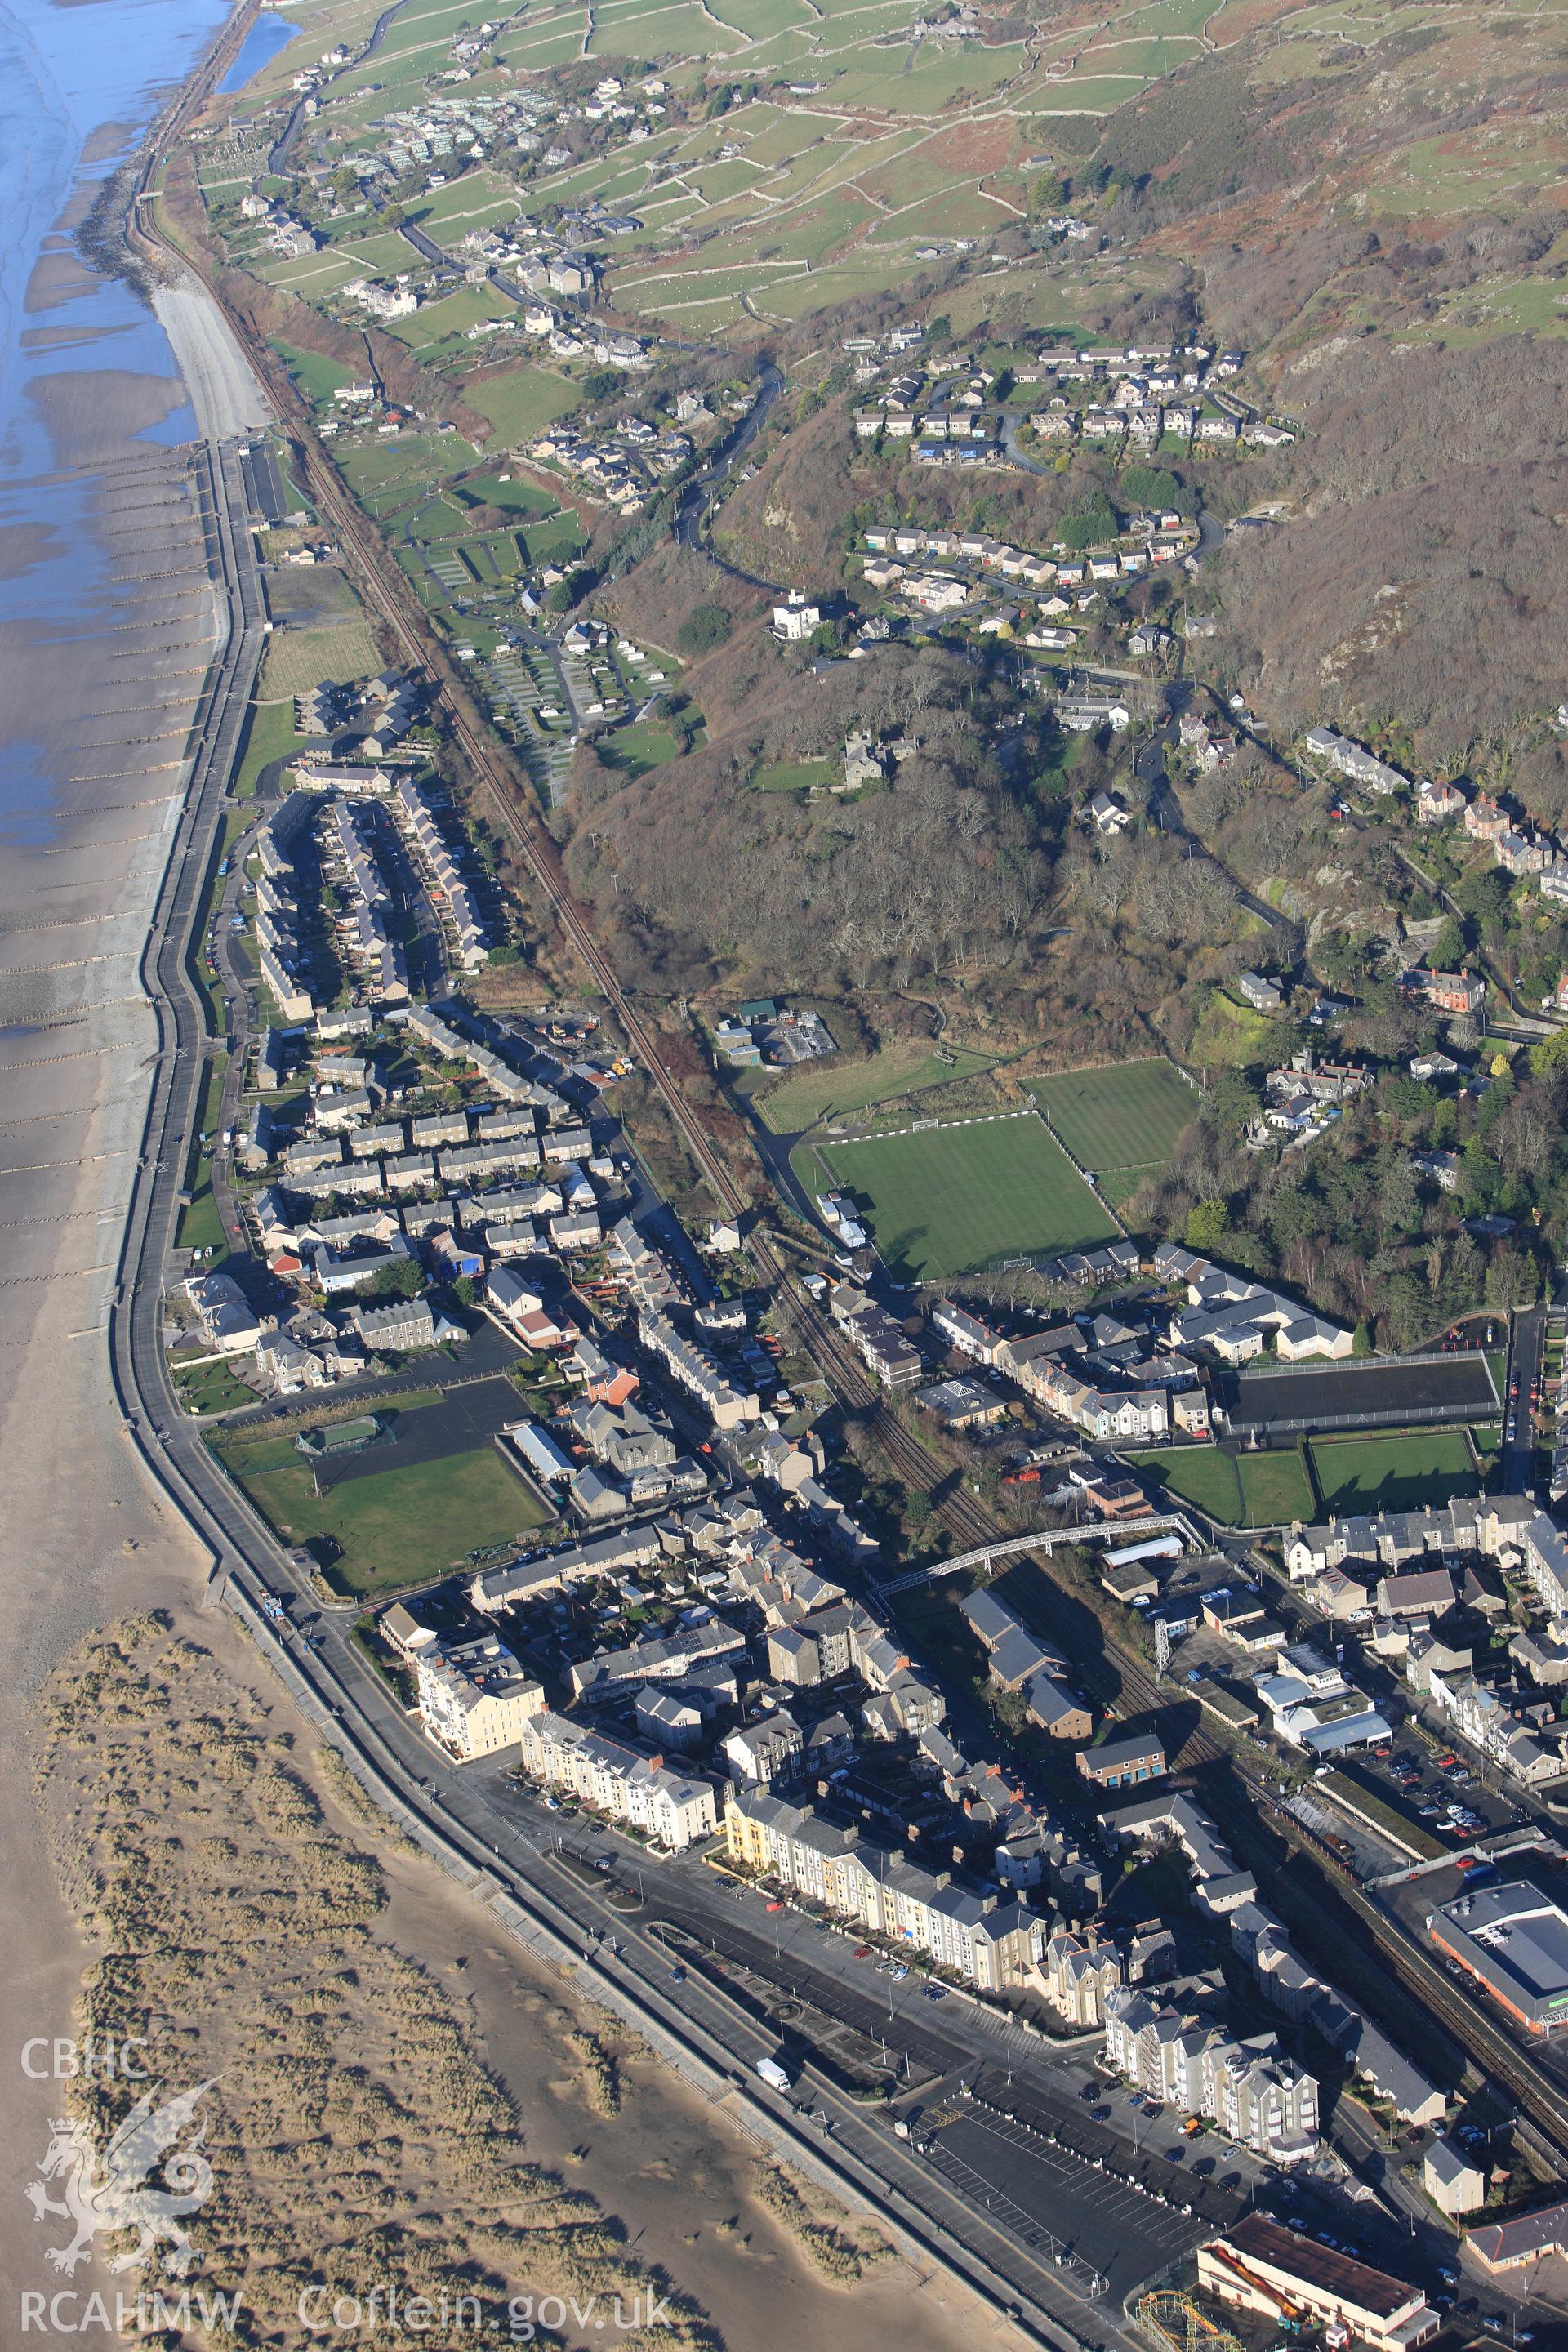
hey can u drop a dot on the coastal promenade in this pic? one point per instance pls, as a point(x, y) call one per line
point(472, 1824)
point(949, 2221)
point(136, 1352)
point(461, 1819)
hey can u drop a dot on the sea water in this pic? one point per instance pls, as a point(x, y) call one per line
point(79, 84)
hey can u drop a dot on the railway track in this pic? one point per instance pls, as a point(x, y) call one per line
point(1120, 1673)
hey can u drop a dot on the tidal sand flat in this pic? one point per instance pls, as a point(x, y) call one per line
point(106, 624)
point(150, 1884)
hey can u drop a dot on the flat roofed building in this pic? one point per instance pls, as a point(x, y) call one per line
point(1514, 1938)
point(1263, 2268)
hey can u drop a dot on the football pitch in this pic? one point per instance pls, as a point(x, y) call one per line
point(955, 1199)
point(1127, 1115)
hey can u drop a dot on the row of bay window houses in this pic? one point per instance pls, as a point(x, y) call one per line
point(1167, 2040)
point(1228, 1896)
point(616, 1778)
point(991, 1940)
point(474, 1700)
point(1259, 2098)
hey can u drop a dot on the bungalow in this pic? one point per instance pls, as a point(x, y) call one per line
point(960, 1405)
point(1085, 709)
point(1436, 1066)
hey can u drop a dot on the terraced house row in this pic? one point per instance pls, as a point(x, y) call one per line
point(988, 1939)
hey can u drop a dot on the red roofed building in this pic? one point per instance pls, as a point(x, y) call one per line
point(1261, 2267)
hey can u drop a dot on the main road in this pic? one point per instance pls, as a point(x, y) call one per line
point(937, 2219)
point(243, 1546)
point(471, 1819)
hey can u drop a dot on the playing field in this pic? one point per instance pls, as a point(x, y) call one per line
point(1411, 1470)
point(392, 1527)
point(1125, 1116)
point(521, 402)
point(834, 1087)
point(1238, 1490)
point(959, 1198)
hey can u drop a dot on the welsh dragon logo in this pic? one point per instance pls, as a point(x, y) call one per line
point(114, 2191)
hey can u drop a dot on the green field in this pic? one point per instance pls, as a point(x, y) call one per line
point(200, 1225)
point(638, 748)
point(1126, 1116)
point(793, 776)
point(834, 1087)
point(522, 402)
point(211, 1388)
point(269, 736)
point(1408, 1471)
point(387, 474)
point(557, 536)
point(962, 1197)
point(1198, 1475)
point(1275, 1489)
point(1118, 1186)
point(298, 659)
point(512, 492)
point(317, 378)
point(394, 1527)
point(1241, 1490)
point(452, 314)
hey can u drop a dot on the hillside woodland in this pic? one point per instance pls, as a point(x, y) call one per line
point(1419, 579)
point(948, 874)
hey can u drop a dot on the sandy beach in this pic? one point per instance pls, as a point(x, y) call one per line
point(98, 679)
point(107, 622)
point(96, 703)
